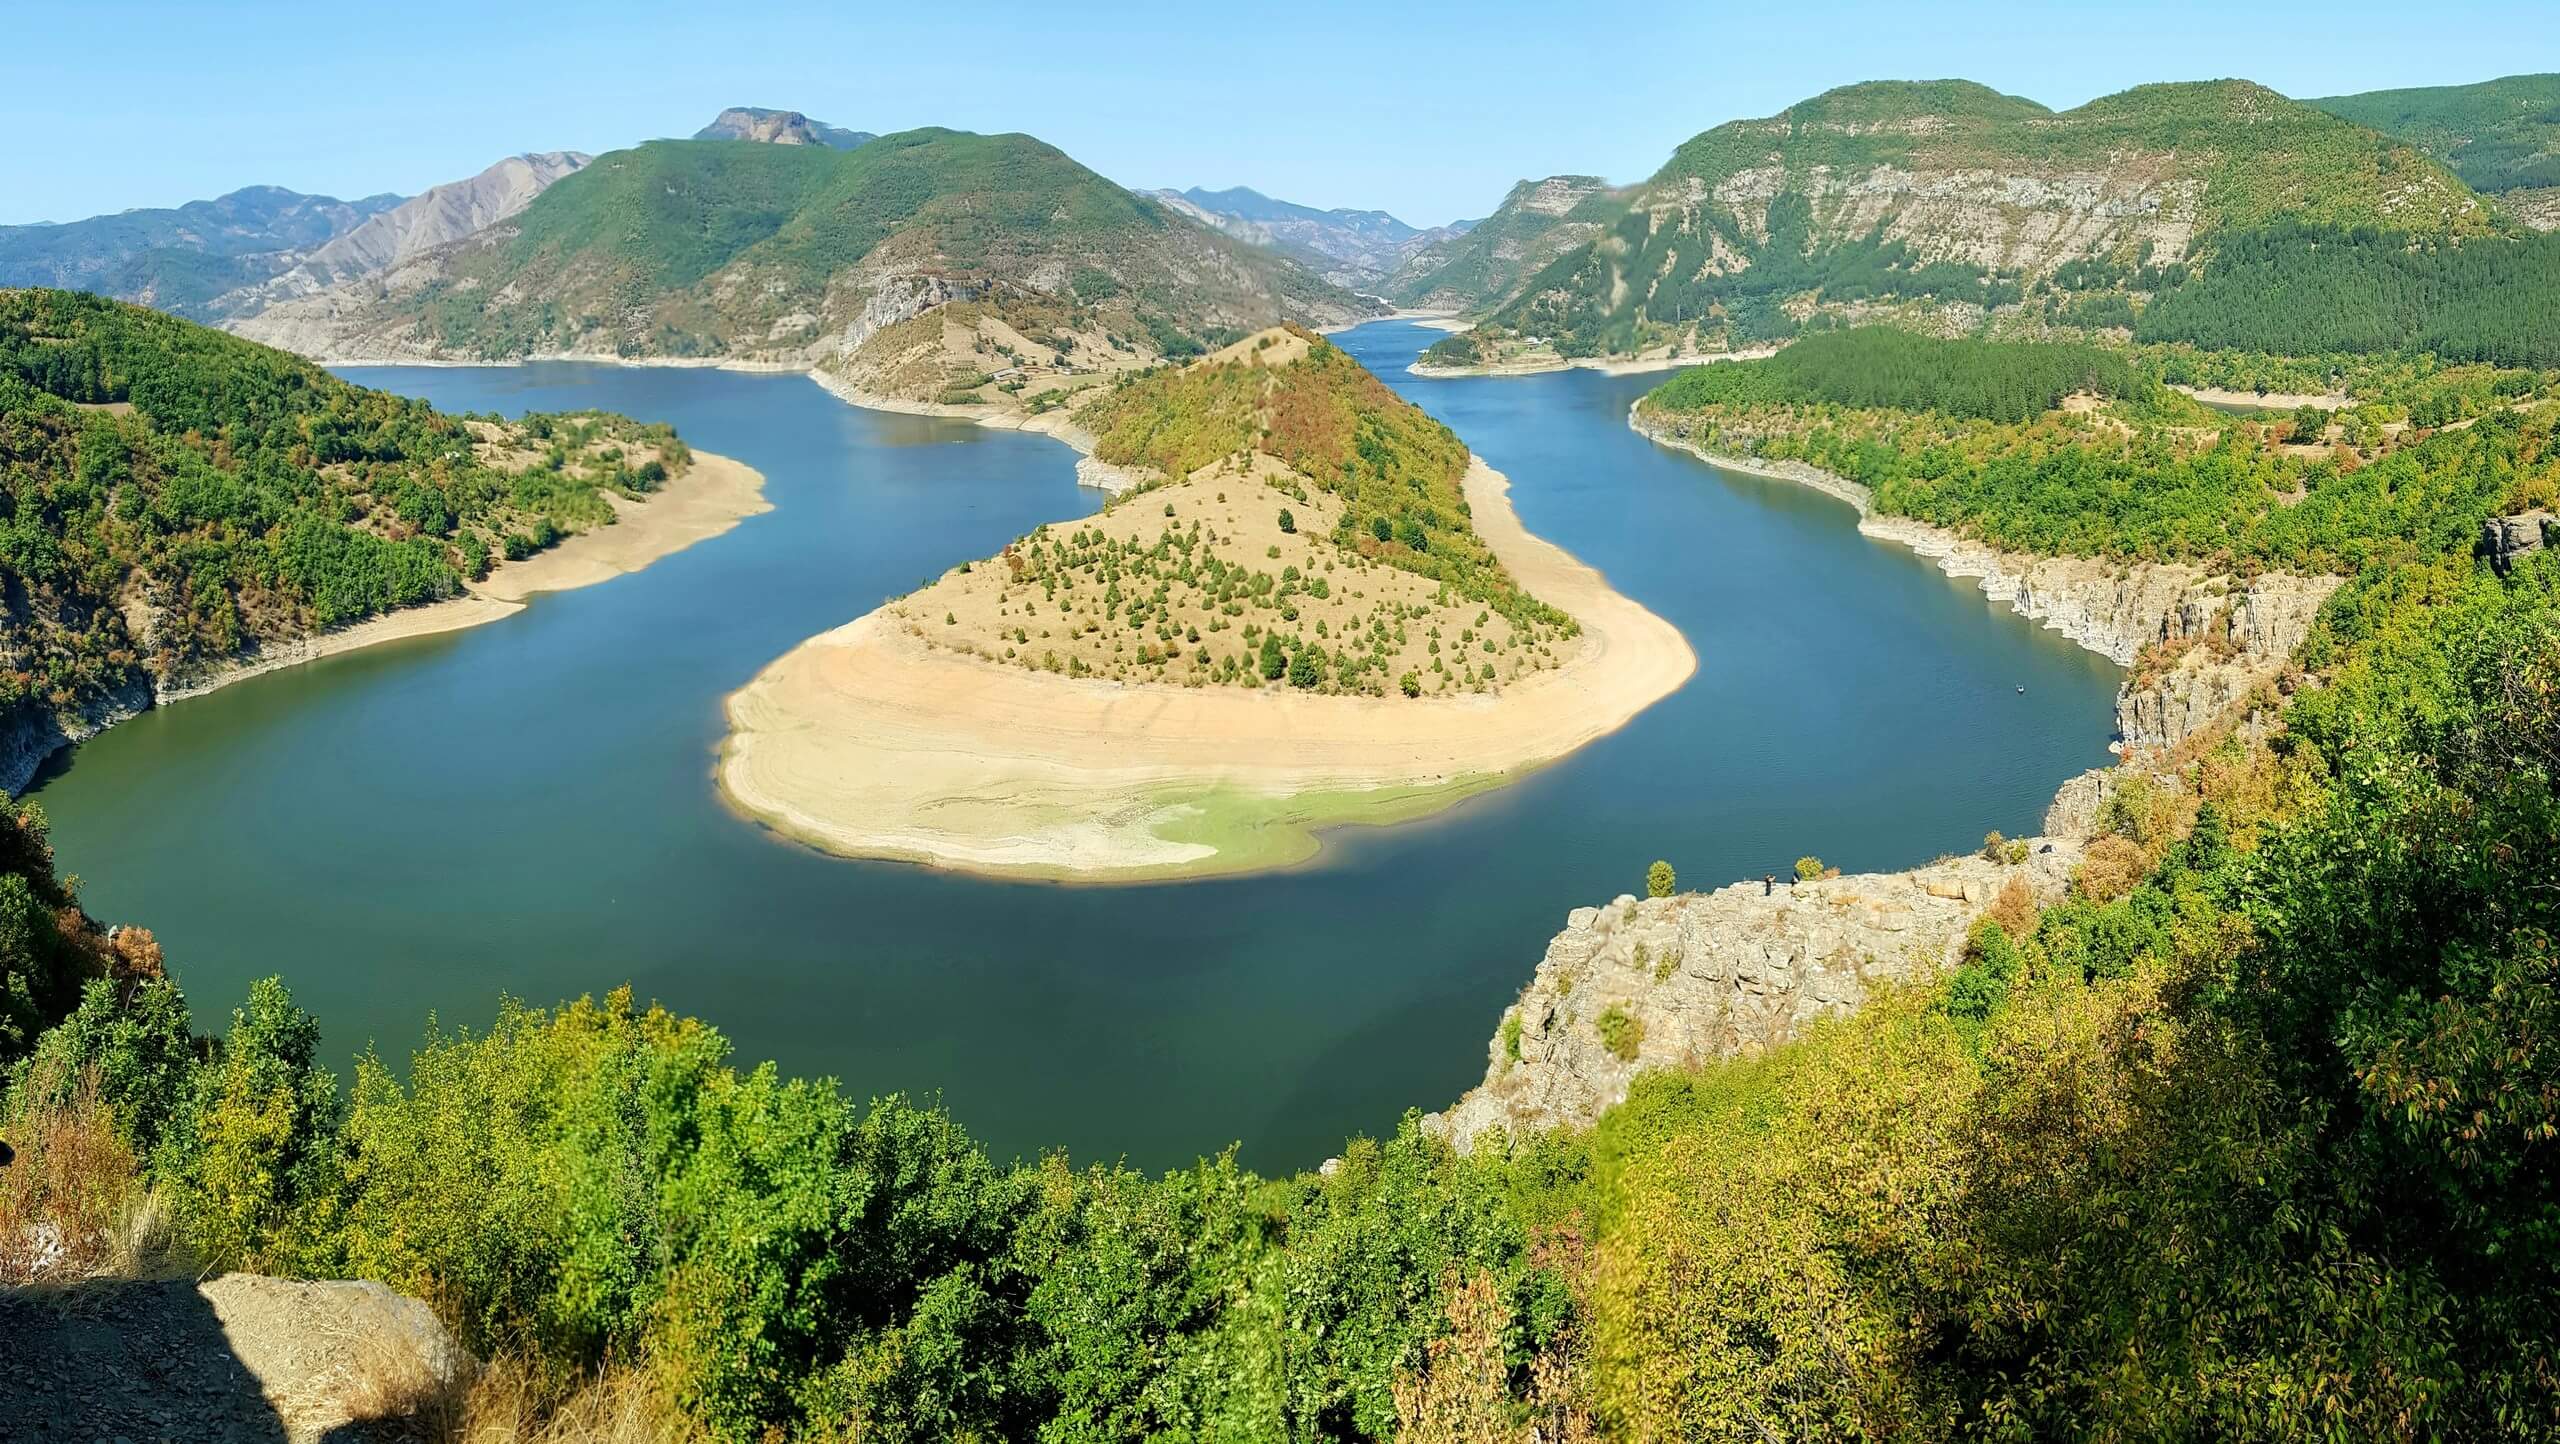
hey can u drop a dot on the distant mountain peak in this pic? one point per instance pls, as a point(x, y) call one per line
point(779, 127)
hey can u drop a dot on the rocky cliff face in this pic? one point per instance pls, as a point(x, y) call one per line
point(2197, 642)
point(780, 127)
point(2505, 538)
point(443, 214)
point(1673, 982)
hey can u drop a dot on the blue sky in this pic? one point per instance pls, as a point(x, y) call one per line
point(1427, 110)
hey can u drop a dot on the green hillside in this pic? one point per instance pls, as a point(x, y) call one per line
point(2498, 135)
point(172, 498)
point(1932, 202)
point(700, 248)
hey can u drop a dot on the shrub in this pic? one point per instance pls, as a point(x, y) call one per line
point(1995, 848)
point(1808, 868)
point(1511, 1035)
point(1660, 880)
point(1621, 1032)
point(1288, 523)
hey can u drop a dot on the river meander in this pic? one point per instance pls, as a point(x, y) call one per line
point(527, 807)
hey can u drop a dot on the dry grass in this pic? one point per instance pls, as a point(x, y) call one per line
point(72, 1205)
point(508, 1404)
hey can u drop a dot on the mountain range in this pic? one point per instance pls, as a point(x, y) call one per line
point(814, 256)
point(1935, 202)
point(1358, 249)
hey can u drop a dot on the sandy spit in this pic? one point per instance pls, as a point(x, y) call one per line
point(713, 495)
point(864, 741)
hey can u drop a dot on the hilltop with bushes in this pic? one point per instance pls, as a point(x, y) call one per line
point(1305, 527)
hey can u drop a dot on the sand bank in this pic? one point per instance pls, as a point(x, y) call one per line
point(714, 494)
point(866, 742)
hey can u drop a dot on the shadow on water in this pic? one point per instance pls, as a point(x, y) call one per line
point(526, 808)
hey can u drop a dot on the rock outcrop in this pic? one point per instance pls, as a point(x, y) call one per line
point(780, 127)
point(2505, 538)
point(1677, 981)
point(238, 1357)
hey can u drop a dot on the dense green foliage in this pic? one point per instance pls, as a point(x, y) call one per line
point(2137, 481)
point(1878, 366)
point(2298, 290)
point(1399, 472)
point(240, 493)
point(2498, 135)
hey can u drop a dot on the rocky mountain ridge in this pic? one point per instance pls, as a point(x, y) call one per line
point(1537, 221)
point(1946, 194)
point(780, 127)
point(435, 217)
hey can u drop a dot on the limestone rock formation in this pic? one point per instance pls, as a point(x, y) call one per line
point(1677, 981)
point(442, 214)
point(2505, 538)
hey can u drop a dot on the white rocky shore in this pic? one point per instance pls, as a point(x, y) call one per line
point(2219, 637)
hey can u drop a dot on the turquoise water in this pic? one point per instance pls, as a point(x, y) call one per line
point(527, 807)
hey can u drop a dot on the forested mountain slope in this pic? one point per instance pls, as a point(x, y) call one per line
point(173, 499)
point(808, 255)
point(2502, 136)
point(181, 259)
point(1936, 201)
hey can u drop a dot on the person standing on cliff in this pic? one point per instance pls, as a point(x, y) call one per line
point(1768, 883)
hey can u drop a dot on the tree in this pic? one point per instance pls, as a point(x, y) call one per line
point(1274, 661)
point(1307, 668)
point(1288, 523)
point(1808, 868)
point(1660, 880)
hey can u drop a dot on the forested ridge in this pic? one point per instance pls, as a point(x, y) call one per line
point(1962, 434)
point(171, 496)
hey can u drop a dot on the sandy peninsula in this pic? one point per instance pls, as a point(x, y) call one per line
point(712, 495)
point(867, 742)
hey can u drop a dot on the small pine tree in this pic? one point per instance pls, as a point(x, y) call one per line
point(1660, 880)
point(1288, 523)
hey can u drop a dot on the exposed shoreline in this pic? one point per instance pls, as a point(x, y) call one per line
point(865, 742)
point(712, 495)
point(1633, 366)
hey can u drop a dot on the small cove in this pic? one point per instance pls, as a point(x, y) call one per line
point(527, 807)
